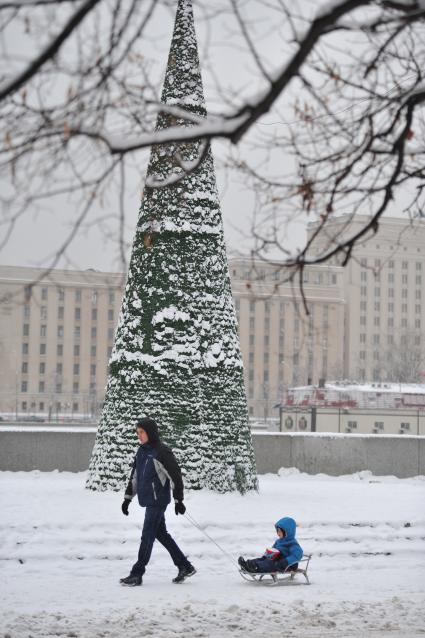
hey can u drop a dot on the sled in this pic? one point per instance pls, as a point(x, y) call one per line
point(286, 577)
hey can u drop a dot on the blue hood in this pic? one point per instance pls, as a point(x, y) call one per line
point(288, 525)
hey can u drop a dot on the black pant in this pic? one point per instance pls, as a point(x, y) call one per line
point(154, 528)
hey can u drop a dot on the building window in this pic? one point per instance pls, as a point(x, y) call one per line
point(363, 320)
point(377, 306)
point(404, 265)
point(111, 312)
point(252, 306)
point(76, 350)
point(404, 322)
point(418, 294)
point(93, 370)
point(378, 425)
point(390, 292)
point(251, 358)
point(41, 386)
point(352, 425)
point(59, 368)
point(404, 308)
point(390, 277)
point(266, 376)
point(111, 335)
point(76, 369)
point(251, 338)
point(93, 351)
point(77, 314)
point(266, 358)
point(24, 406)
point(24, 348)
point(108, 353)
point(60, 312)
point(75, 387)
point(94, 314)
point(363, 262)
point(391, 264)
point(363, 306)
point(77, 332)
point(417, 323)
point(405, 426)
point(43, 312)
point(75, 407)
point(377, 291)
point(27, 311)
point(363, 291)
point(390, 339)
point(42, 367)
point(404, 279)
point(252, 323)
point(61, 294)
point(59, 350)
point(60, 332)
point(376, 321)
point(24, 368)
point(94, 297)
point(251, 375)
point(43, 330)
point(267, 307)
point(362, 337)
point(362, 355)
point(42, 348)
point(94, 332)
point(390, 322)
point(41, 406)
point(24, 386)
point(26, 329)
point(391, 307)
point(418, 309)
point(363, 275)
point(78, 295)
point(44, 294)
point(376, 340)
point(404, 293)
point(111, 297)
point(59, 388)
point(417, 340)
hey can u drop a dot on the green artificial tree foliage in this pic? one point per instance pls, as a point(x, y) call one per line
point(176, 355)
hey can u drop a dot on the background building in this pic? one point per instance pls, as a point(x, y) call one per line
point(384, 285)
point(281, 345)
point(56, 336)
point(366, 322)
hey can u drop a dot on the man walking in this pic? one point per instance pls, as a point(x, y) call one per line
point(154, 467)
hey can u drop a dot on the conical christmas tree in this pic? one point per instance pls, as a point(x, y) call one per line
point(176, 356)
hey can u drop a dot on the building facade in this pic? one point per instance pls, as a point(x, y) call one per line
point(282, 345)
point(384, 284)
point(56, 336)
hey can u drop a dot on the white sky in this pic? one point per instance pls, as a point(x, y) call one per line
point(37, 236)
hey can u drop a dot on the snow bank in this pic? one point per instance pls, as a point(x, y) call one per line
point(63, 550)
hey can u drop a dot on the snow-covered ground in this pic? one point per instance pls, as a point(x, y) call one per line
point(63, 549)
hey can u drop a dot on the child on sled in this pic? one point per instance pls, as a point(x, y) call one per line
point(285, 552)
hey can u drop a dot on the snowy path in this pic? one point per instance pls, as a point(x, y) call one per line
point(63, 549)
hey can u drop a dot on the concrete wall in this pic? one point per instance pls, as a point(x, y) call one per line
point(334, 454)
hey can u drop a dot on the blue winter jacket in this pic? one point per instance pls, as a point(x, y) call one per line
point(288, 546)
point(154, 469)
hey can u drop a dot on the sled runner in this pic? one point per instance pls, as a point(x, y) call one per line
point(286, 577)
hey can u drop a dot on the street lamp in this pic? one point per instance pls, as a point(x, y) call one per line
point(282, 386)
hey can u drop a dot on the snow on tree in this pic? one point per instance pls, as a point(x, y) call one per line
point(176, 355)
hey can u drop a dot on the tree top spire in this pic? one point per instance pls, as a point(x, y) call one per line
point(183, 81)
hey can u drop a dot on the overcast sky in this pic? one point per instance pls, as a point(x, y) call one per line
point(37, 236)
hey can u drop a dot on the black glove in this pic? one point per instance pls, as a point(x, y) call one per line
point(124, 506)
point(180, 507)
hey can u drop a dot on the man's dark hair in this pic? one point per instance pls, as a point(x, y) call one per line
point(150, 427)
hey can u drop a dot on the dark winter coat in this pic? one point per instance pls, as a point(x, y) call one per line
point(288, 546)
point(154, 471)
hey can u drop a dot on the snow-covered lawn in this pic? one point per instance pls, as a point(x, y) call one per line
point(63, 550)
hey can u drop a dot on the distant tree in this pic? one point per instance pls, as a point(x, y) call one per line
point(77, 109)
point(404, 360)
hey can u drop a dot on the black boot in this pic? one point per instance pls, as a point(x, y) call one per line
point(184, 572)
point(131, 581)
point(251, 566)
point(242, 563)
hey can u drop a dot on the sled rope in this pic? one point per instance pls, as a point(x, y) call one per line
point(197, 525)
